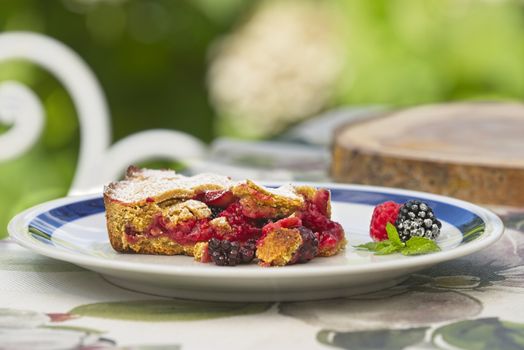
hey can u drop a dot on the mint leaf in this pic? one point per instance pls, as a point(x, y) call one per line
point(381, 248)
point(420, 245)
point(371, 246)
point(393, 234)
point(414, 246)
point(388, 247)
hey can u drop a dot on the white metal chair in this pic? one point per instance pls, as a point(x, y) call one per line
point(99, 161)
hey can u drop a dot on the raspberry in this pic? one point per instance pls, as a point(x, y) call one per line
point(227, 253)
point(416, 218)
point(382, 214)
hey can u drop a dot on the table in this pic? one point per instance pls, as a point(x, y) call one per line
point(470, 303)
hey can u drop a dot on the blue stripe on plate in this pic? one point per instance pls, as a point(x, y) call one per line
point(43, 226)
point(470, 224)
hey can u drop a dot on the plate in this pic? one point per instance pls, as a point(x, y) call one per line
point(73, 229)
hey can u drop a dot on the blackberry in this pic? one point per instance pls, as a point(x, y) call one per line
point(215, 211)
point(416, 218)
point(309, 247)
point(248, 250)
point(231, 253)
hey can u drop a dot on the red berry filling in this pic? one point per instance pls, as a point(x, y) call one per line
point(247, 220)
point(191, 231)
point(330, 239)
point(131, 233)
point(330, 234)
point(217, 200)
point(220, 199)
point(321, 201)
point(244, 228)
point(185, 232)
point(291, 222)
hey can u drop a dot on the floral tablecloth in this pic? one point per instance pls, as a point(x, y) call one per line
point(471, 303)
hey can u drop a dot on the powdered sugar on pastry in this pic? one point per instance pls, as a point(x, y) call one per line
point(142, 184)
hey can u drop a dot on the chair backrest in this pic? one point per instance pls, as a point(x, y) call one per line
point(99, 161)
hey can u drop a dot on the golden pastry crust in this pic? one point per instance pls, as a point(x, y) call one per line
point(161, 245)
point(308, 193)
point(121, 217)
point(200, 251)
point(271, 203)
point(278, 247)
point(221, 226)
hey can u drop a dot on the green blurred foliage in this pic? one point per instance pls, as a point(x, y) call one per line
point(151, 60)
point(407, 52)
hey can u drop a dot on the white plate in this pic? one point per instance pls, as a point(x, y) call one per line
point(73, 229)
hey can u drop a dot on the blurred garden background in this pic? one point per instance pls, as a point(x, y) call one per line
point(251, 69)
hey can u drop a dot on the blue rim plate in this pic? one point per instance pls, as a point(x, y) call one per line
point(73, 229)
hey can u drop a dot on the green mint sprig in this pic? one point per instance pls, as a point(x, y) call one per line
point(413, 246)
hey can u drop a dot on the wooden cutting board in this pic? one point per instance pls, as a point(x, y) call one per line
point(473, 151)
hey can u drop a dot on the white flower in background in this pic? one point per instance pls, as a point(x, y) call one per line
point(279, 67)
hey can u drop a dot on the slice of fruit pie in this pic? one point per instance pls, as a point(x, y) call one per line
point(218, 220)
